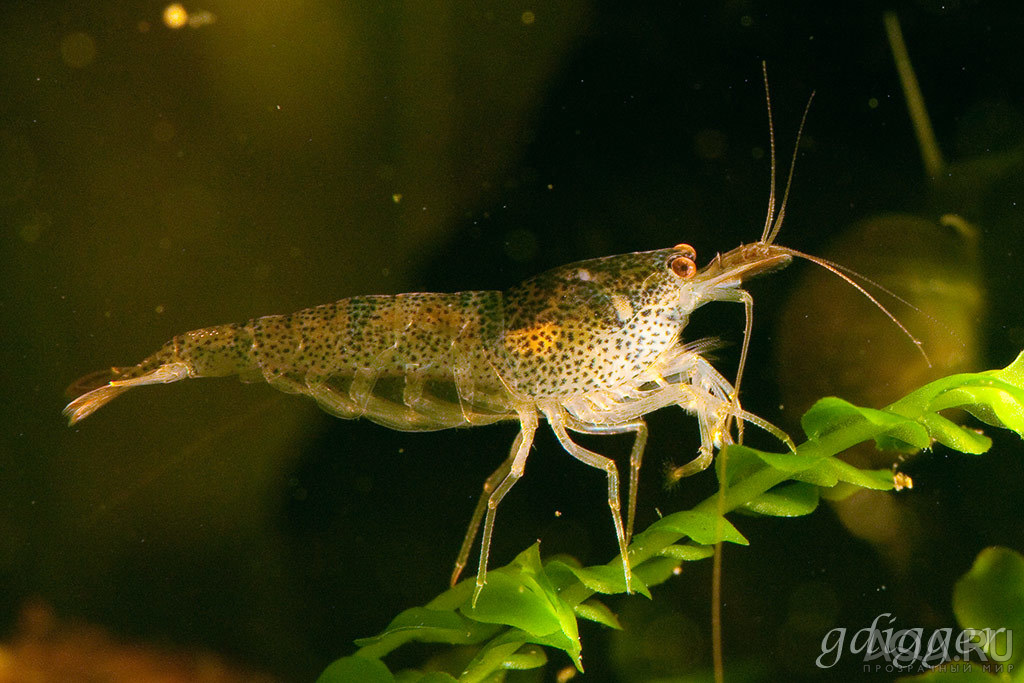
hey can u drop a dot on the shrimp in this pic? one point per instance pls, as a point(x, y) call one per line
point(591, 347)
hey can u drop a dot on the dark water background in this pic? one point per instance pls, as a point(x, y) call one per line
point(156, 180)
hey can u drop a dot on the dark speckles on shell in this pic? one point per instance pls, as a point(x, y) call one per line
point(384, 334)
point(438, 360)
point(612, 315)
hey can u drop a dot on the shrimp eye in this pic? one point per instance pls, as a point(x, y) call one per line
point(687, 251)
point(682, 263)
point(683, 267)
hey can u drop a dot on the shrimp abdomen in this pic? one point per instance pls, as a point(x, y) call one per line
point(411, 362)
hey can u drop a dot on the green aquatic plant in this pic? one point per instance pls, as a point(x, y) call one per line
point(989, 601)
point(531, 605)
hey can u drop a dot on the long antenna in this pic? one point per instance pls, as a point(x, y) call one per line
point(772, 223)
point(770, 218)
point(789, 176)
point(848, 276)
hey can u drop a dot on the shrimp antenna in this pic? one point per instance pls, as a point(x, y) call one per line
point(772, 223)
point(848, 275)
point(789, 176)
point(770, 217)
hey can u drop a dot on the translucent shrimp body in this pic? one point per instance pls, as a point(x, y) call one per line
point(589, 347)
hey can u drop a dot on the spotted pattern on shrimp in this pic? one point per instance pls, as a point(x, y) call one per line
point(568, 331)
point(590, 347)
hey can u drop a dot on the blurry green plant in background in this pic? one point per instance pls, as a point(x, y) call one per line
point(990, 596)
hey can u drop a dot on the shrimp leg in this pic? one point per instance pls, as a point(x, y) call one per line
point(637, 427)
point(713, 413)
point(556, 418)
point(528, 427)
point(481, 505)
point(710, 437)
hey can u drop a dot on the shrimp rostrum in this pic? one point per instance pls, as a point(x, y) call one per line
point(590, 347)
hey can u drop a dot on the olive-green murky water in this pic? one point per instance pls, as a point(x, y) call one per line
point(262, 159)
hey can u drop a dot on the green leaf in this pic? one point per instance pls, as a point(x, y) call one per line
point(787, 462)
point(594, 610)
point(823, 474)
point(567, 645)
point(523, 596)
point(657, 570)
point(526, 658)
point(879, 480)
point(827, 415)
point(528, 561)
point(493, 656)
point(909, 438)
point(826, 472)
point(351, 669)
point(1013, 373)
point(990, 400)
point(786, 500)
point(702, 527)
point(738, 462)
point(504, 653)
point(896, 431)
point(954, 436)
point(991, 596)
point(841, 491)
point(687, 552)
point(519, 600)
point(426, 625)
point(454, 596)
point(601, 578)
